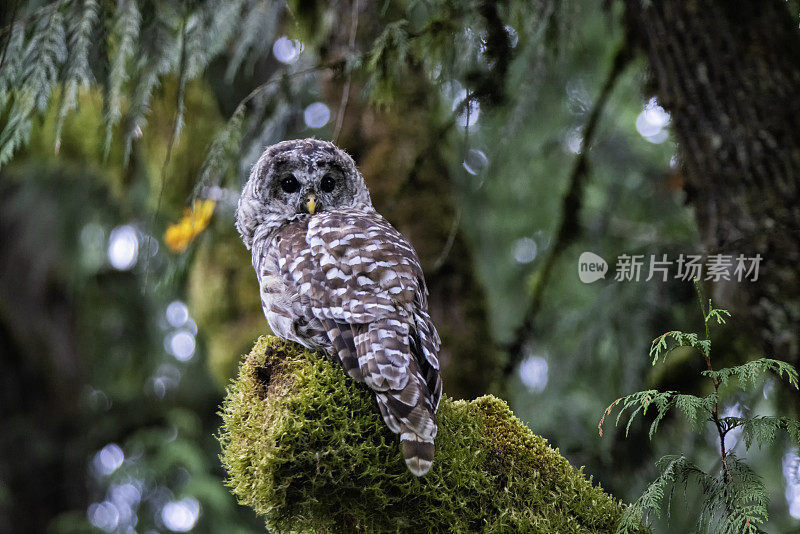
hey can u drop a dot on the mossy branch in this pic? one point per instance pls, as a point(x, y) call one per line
point(304, 445)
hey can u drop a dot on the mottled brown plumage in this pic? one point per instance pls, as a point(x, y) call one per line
point(336, 276)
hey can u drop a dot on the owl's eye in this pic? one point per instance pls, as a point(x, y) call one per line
point(327, 184)
point(289, 184)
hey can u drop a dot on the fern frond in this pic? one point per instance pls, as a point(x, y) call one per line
point(745, 497)
point(735, 501)
point(639, 402)
point(393, 41)
point(45, 52)
point(220, 21)
point(716, 313)
point(748, 374)
point(223, 153)
point(387, 59)
point(740, 504)
point(158, 52)
point(193, 46)
point(16, 102)
point(257, 35)
point(11, 70)
point(78, 72)
point(762, 430)
point(17, 128)
point(674, 469)
point(660, 347)
point(730, 422)
point(697, 410)
point(123, 36)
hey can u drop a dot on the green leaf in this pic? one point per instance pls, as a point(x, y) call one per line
point(122, 41)
point(745, 498)
point(716, 313)
point(749, 373)
point(659, 347)
point(697, 410)
point(78, 71)
point(673, 469)
point(762, 430)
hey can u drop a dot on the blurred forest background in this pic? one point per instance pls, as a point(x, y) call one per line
point(503, 138)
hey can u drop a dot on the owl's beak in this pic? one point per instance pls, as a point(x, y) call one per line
point(311, 203)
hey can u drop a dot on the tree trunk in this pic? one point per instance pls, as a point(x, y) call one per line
point(729, 74)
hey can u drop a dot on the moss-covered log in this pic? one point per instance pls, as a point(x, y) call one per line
point(304, 445)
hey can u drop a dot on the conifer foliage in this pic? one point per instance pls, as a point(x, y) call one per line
point(734, 497)
point(126, 47)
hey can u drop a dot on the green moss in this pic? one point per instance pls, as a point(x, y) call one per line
point(305, 446)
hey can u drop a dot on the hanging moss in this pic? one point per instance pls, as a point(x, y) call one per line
point(304, 445)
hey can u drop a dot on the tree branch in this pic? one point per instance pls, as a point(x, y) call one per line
point(351, 46)
point(569, 224)
point(305, 446)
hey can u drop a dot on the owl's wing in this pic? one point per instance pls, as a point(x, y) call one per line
point(363, 281)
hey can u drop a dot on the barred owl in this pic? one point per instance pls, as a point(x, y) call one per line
point(336, 276)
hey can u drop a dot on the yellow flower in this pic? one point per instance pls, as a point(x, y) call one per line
point(195, 219)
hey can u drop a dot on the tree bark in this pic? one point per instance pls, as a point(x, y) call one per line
point(729, 74)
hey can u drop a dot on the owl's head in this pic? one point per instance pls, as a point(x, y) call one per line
point(298, 178)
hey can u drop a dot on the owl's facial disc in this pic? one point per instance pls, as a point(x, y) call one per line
point(332, 187)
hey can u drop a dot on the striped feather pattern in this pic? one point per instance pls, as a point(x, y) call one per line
point(347, 282)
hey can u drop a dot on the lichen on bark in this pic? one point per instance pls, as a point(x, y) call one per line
point(304, 445)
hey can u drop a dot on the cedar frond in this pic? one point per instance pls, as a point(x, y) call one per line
point(748, 374)
point(78, 71)
point(261, 18)
point(123, 36)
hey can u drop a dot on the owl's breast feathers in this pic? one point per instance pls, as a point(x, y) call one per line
point(359, 279)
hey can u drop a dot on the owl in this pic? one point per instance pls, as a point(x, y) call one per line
point(335, 276)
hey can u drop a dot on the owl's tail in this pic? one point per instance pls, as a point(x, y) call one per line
point(414, 422)
point(390, 366)
point(417, 452)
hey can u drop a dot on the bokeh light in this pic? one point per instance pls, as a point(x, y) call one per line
point(652, 122)
point(467, 113)
point(177, 313)
point(166, 378)
point(108, 459)
point(513, 36)
point(103, 515)
point(123, 247)
point(733, 437)
point(573, 141)
point(182, 345)
point(317, 115)
point(475, 161)
point(125, 498)
point(533, 372)
point(791, 477)
point(287, 50)
point(182, 515)
point(525, 250)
